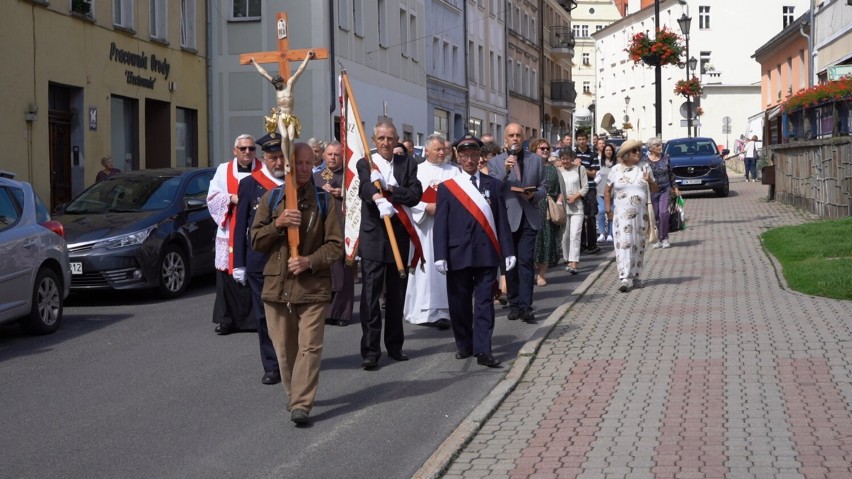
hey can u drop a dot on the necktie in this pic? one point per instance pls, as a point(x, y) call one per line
point(473, 180)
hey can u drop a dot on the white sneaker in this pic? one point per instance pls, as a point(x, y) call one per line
point(600, 237)
point(609, 239)
point(657, 245)
point(666, 244)
point(624, 286)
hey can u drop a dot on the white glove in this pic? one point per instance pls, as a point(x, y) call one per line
point(239, 275)
point(441, 266)
point(386, 209)
point(375, 176)
point(510, 262)
point(392, 181)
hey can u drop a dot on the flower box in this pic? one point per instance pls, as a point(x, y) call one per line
point(664, 48)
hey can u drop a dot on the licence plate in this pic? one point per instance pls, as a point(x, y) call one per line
point(691, 182)
point(76, 268)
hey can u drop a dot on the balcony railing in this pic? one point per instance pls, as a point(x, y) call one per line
point(562, 91)
point(561, 37)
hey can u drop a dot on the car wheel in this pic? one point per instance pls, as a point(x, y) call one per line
point(46, 313)
point(174, 272)
point(723, 191)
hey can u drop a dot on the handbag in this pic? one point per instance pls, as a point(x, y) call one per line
point(676, 222)
point(555, 212)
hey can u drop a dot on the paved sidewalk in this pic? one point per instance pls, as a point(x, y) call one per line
point(713, 369)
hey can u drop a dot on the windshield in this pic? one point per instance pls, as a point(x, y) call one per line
point(691, 148)
point(126, 193)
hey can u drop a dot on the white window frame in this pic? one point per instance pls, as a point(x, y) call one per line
point(159, 20)
point(247, 10)
point(704, 17)
point(587, 59)
point(187, 24)
point(123, 13)
point(788, 15)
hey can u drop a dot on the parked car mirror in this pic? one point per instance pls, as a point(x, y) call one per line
point(195, 204)
point(60, 209)
point(726, 152)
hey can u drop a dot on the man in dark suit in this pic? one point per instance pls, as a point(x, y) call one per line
point(522, 175)
point(248, 263)
point(471, 239)
point(397, 175)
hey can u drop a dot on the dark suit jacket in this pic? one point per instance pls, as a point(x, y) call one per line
point(248, 195)
point(373, 237)
point(532, 175)
point(458, 238)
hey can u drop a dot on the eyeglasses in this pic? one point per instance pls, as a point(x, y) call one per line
point(244, 148)
point(544, 148)
point(634, 150)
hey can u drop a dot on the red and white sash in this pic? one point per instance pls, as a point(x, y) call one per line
point(473, 201)
point(233, 188)
point(266, 179)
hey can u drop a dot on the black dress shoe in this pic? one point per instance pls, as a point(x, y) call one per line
point(336, 322)
point(462, 354)
point(513, 315)
point(271, 377)
point(528, 316)
point(443, 324)
point(487, 359)
point(299, 417)
point(398, 356)
point(369, 363)
point(223, 330)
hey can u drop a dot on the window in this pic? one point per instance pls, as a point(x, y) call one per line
point(704, 61)
point(442, 122)
point(787, 15)
point(186, 125)
point(587, 87)
point(343, 14)
point(187, 24)
point(381, 20)
point(470, 53)
point(83, 7)
point(587, 59)
point(526, 82)
point(499, 84)
point(704, 17)
point(158, 19)
point(474, 127)
point(358, 17)
point(511, 85)
point(511, 20)
point(246, 9)
point(403, 32)
point(9, 210)
point(584, 30)
point(534, 84)
point(481, 61)
point(454, 67)
point(436, 53)
point(598, 28)
point(412, 35)
point(447, 59)
point(575, 29)
point(122, 13)
point(533, 31)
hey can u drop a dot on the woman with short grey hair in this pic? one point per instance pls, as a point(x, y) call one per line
point(664, 178)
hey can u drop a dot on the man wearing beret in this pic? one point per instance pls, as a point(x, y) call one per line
point(248, 263)
point(472, 240)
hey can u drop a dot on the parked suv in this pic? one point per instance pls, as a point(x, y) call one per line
point(698, 165)
point(34, 272)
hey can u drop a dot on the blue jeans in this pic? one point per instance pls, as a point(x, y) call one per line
point(751, 167)
point(603, 224)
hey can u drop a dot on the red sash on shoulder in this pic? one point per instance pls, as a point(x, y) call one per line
point(475, 204)
point(233, 188)
point(264, 180)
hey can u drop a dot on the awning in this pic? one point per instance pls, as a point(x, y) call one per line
point(773, 112)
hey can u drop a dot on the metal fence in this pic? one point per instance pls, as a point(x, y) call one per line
point(815, 175)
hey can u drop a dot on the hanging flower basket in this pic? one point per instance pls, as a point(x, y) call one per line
point(831, 91)
point(664, 49)
point(690, 87)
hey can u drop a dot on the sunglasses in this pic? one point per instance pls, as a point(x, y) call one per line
point(244, 148)
point(544, 148)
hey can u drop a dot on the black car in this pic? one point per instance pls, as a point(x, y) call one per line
point(698, 165)
point(141, 229)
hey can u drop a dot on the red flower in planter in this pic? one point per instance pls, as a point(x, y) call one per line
point(664, 49)
point(690, 87)
point(831, 91)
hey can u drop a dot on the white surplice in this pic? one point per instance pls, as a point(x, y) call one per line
point(426, 293)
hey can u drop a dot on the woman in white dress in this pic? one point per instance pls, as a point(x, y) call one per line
point(626, 199)
point(573, 186)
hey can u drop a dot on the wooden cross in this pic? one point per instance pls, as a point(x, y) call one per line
point(283, 56)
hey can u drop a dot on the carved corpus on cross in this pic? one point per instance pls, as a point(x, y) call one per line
point(289, 124)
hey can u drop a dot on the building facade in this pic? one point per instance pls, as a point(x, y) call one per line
point(558, 92)
point(731, 80)
point(524, 58)
point(121, 78)
point(446, 89)
point(486, 67)
point(589, 17)
point(379, 43)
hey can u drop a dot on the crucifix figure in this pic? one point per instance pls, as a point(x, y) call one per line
point(288, 124)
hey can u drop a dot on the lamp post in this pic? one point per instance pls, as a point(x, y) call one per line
point(685, 22)
point(658, 76)
point(626, 116)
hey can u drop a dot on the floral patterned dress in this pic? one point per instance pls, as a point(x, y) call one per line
point(629, 219)
point(548, 241)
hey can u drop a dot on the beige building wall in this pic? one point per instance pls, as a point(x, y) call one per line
point(46, 44)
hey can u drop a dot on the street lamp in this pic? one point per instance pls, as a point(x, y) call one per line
point(685, 22)
point(626, 117)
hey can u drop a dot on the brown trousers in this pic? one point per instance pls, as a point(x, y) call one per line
point(297, 335)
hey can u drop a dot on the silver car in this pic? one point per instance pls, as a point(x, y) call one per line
point(34, 271)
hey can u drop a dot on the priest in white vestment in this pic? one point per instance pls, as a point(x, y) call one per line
point(426, 295)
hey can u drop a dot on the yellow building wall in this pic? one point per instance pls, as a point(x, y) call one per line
point(44, 44)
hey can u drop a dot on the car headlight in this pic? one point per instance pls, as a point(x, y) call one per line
point(130, 239)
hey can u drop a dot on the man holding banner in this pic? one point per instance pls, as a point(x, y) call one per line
point(399, 190)
point(471, 238)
